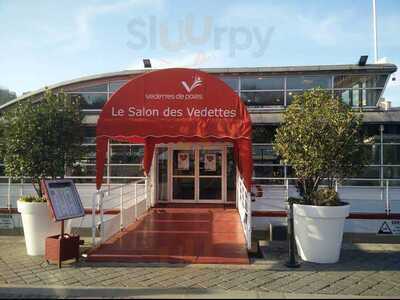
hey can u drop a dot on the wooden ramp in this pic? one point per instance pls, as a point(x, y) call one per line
point(179, 235)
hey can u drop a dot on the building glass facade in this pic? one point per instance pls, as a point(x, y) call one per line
point(263, 93)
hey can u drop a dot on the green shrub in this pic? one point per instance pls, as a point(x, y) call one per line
point(320, 138)
point(33, 199)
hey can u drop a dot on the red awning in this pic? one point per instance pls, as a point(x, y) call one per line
point(175, 105)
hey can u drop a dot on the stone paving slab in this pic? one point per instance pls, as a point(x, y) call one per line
point(145, 293)
point(364, 270)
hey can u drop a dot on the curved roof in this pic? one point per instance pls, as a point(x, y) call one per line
point(349, 68)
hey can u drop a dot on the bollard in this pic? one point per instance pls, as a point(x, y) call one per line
point(291, 263)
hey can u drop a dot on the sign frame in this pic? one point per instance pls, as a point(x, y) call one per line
point(47, 188)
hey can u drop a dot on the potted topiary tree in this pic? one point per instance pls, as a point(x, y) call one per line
point(320, 138)
point(40, 139)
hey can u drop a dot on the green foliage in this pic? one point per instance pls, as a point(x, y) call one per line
point(325, 197)
point(320, 138)
point(42, 138)
point(33, 199)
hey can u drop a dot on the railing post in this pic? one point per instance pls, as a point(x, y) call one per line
point(94, 207)
point(287, 189)
point(387, 198)
point(145, 193)
point(135, 194)
point(121, 208)
point(101, 218)
point(9, 195)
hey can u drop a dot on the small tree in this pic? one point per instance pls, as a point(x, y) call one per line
point(320, 138)
point(42, 138)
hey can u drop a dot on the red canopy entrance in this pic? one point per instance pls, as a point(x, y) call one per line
point(175, 105)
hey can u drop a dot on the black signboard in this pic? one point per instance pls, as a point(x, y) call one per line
point(64, 199)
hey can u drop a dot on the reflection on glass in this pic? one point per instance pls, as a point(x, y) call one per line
point(162, 164)
point(268, 171)
point(308, 82)
point(391, 133)
point(210, 163)
point(210, 189)
point(392, 173)
point(360, 81)
point(231, 176)
point(262, 83)
point(233, 82)
point(290, 96)
point(264, 154)
point(263, 133)
point(90, 101)
point(391, 154)
point(183, 188)
point(116, 85)
point(263, 98)
point(99, 88)
point(183, 162)
point(126, 154)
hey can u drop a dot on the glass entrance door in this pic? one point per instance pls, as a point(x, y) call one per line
point(210, 175)
point(183, 175)
point(197, 173)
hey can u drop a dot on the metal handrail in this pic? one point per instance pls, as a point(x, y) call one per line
point(106, 195)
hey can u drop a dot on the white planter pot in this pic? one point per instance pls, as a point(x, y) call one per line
point(38, 225)
point(319, 231)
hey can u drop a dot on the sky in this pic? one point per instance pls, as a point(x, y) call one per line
point(46, 42)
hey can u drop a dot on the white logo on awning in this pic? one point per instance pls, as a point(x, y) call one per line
point(197, 82)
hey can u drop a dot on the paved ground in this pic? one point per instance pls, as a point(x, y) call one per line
point(365, 269)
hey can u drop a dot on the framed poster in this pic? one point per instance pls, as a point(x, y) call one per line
point(183, 161)
point(63, 199)
point(210, 162)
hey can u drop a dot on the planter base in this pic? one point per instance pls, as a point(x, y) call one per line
point(319, 231)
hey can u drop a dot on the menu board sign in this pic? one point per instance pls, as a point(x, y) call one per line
point(64, 199)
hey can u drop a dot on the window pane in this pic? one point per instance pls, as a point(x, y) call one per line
point(91, 101)
point(391, 154)
point(391, 133)
point(290, 96)
point(308, 82)
point(374, 154)
point(262, 83)
point(268, 171)
point(356, 97)
point(126, 171)
point(360, 81)
point(100, 88)
point(89, 135)
point(115, 85)
point(391, 172)
point(345, 96)
point(370, 97)
point(210, 188)
point(83, 170)
point(370, 172)
point(262, 98)
point(183, 188)
point(126, 154)
point(263, 133)
point(265, 154)
point(89, 154)
point(233, 82)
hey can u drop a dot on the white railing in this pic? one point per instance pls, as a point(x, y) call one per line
point(386, 191)
point(114, 208)
point(243, 199)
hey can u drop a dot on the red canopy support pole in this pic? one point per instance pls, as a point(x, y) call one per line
point(101, 153)
point(243, 148)
point(148, 155)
